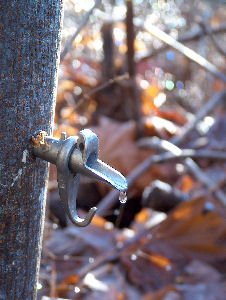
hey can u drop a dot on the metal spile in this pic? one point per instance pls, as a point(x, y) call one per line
point(73, 156)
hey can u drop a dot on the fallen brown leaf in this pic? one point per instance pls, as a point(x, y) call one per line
point(118, 148)
point(188, 233)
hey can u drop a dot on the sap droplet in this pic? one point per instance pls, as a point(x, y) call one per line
point(122, 197)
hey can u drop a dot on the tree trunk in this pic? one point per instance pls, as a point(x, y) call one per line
point(29, 53)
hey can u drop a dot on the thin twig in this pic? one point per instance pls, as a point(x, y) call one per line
point(170, 156)
point(205, 180)
point(120, 214)
point(187, 37)
point(110, 256)
point(191, 54)
point(112, 197)
point(210, 34)
point(121, 280)
point(191, 165)
point(219, 185)
point(206, 108)
point(99, 88)
point(69, 42)
point(196, 154)
point(107, 84)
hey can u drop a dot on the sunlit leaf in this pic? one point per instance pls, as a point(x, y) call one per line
point(142, 216)
point(187, 183)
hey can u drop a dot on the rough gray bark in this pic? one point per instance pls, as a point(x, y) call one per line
point(29, 51)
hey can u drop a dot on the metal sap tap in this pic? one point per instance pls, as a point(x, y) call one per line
point(73, 156)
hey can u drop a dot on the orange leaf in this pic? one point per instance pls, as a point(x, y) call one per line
point(152, 91)
point(72, 279)
point(147, 97)
point(98, 221)
point(65, 128)
point(64, 287)
point(168, 292)
point(121, 296)
point(160, 261)
point(187, 183)
point(142, 216)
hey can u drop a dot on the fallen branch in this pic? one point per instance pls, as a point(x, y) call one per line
point(191, 54)
point(190, 164)
point(109, 200)
point(109, 257)
point(205, 180)
point(196, 154)
point(187, 37)
point(69, 42)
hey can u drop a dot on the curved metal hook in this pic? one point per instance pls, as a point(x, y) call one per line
point(68, 183)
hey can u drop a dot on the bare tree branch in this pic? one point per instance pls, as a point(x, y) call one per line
point(82, 97)
point(189, 53)
point(184, 153)
point(190, 164)
point(205, 180)
point(206, 108)
point(112, 197)
point(187, 37)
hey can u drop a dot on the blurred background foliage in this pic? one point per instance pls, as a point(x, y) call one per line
point(168, 240)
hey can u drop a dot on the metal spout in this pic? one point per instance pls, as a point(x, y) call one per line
point(103, 172)
point(74, 156)
point(83, 159)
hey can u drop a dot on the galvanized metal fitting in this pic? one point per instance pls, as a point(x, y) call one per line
point(73, 156)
